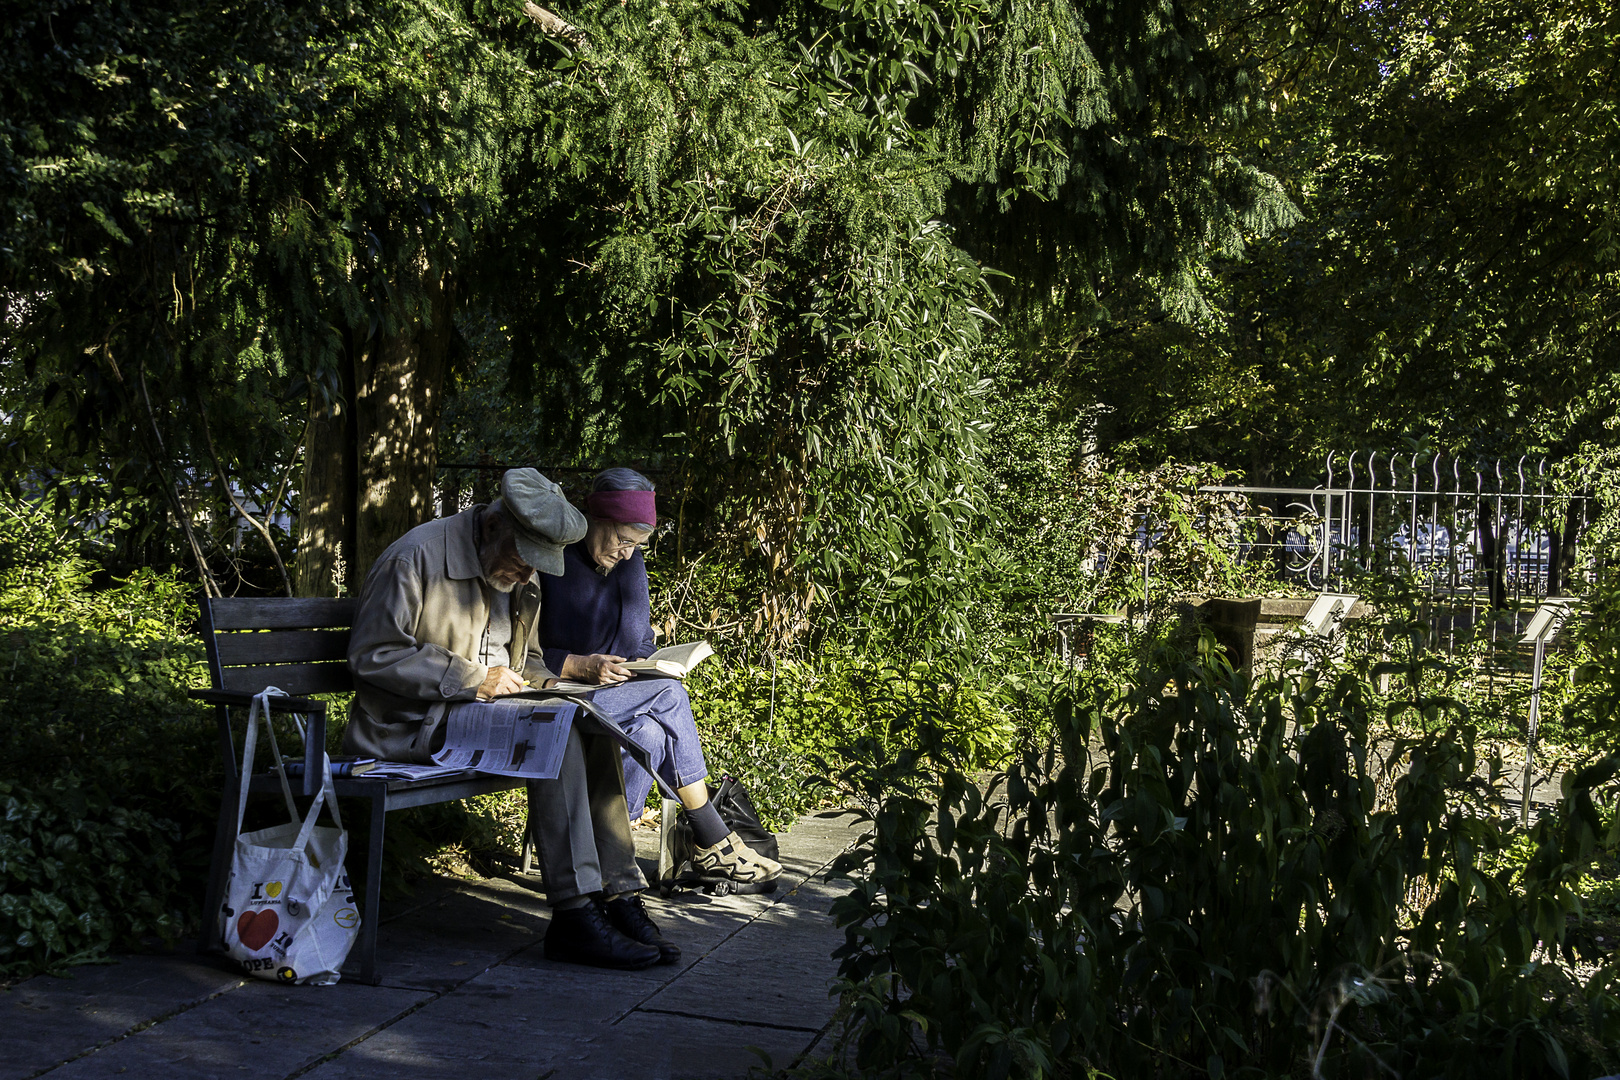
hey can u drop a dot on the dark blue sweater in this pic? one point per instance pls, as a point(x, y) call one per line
point(585, 612)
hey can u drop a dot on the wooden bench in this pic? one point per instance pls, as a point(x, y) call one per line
point(301, 646)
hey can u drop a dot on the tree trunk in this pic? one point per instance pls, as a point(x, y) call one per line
point(326, 493)
point(1493, 554)
point(1269, 542)
point(1555, 561)
point(369, 468)
point(1561, 548)
point(398, 394)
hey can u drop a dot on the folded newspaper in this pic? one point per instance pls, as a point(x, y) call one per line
point(404, 770)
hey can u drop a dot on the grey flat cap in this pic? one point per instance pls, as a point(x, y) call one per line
point(546, 521)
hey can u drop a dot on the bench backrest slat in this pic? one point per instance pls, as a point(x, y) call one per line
point(281, 613)
point(299, 644)
point(299, 680)
point(282, 647)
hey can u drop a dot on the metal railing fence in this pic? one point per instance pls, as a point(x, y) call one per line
point(1484, 541)
point(1480, 542)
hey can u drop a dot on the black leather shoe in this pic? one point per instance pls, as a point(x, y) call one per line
point(629, 917)
point(581, 935)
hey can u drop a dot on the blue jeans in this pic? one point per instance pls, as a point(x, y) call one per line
point(657, 715)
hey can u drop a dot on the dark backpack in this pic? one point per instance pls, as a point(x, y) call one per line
point(736, 809)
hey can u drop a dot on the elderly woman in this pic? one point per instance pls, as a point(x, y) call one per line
point(596, 616)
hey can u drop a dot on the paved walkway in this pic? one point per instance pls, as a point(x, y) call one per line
point(466, 993)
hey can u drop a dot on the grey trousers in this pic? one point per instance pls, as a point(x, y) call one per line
point(580, 824)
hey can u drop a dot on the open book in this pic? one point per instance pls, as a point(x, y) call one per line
point(672, 660)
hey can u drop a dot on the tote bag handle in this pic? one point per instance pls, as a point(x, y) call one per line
point(259, 712)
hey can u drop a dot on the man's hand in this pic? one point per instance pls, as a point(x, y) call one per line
point(600, 668)
point(500, 680)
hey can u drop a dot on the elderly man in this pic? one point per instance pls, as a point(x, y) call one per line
point(447, 619)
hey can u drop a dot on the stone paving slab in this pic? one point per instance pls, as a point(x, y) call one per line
point(646, 1045)
point(778, 973)
point(259, 1030)
point(47, 1020)
point(466, 991)
point(443, 943)
point(518, 1019)
point(686, 1048)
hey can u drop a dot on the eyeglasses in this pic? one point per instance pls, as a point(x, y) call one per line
point(621, 546)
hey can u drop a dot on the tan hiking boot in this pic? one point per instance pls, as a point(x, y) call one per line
point(734, 861)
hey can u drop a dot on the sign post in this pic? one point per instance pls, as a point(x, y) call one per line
point(1073, 646)
point(1322, 625)
point(1544, 626)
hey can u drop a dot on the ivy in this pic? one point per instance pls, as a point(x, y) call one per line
point(78, 873)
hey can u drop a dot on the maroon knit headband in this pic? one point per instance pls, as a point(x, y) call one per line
point(624, 507)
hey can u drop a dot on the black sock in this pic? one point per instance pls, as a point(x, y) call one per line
point(707, 828)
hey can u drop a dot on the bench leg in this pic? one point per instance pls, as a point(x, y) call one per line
point(669, 867)
point(373, 912)
point(212, 938)
point(527, 866)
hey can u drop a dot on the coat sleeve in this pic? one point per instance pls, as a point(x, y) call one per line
point(536, 670)
point(384, 651)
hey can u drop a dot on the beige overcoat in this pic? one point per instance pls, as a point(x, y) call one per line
point(417, 632)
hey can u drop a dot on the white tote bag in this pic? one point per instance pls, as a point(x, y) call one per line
point(289, 913)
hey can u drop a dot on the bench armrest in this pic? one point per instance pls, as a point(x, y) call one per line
point(314, 738)
point(277, 704)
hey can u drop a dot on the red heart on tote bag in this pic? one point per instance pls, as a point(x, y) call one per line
point(256, 928)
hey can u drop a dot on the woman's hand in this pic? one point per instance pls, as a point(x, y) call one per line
point(600, 668)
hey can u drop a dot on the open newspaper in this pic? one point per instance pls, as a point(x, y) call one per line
point(589, 719)
point(508, 737)
point(521, 735)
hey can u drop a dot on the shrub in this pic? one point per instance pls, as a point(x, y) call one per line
point(1211, 879)
point(769, 726)
point(1594, 708)
point(106, 766)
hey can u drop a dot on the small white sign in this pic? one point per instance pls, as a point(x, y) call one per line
point(1327, 612)
point(1549, 619)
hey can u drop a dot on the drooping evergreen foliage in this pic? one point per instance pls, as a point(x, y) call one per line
point(742, 229)
point(757, 242)
point(1452, 277)
point(776, 272)
point(136, 146)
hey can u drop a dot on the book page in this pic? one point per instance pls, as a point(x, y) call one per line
point(674, 660)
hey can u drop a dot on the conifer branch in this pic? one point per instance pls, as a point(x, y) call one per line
point(556, 27)
point(171, 489)
point(225, 486)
